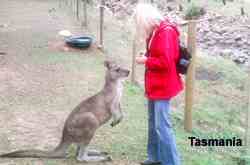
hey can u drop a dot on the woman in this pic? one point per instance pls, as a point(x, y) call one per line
point(162, 82)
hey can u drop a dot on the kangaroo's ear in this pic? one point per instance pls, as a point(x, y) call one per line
point(107, 64)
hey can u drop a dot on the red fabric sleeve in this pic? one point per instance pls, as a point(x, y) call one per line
point(161, 55)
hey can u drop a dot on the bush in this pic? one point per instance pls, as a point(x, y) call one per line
point(194, 11)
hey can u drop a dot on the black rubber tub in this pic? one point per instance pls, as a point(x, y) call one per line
point(79, 41)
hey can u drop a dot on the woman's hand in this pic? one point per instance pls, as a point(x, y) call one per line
point(141, 59)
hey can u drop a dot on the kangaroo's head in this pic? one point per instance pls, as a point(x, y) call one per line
point(115, 72)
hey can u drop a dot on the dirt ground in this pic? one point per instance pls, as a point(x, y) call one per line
point(36, 91)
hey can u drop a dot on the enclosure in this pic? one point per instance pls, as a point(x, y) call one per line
point(42, 79)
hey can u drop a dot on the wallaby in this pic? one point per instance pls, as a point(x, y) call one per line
point(83, 121)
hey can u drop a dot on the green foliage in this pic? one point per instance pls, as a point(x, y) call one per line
point(193, 11)
point(231, 8)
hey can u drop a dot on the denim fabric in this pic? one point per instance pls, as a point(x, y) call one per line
point(161, 140)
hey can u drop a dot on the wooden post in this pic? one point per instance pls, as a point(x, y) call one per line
point(77, 9)
point(70, 5)
point(74, 8)
point(180, 7)
point(224, 2)
point(133, 70)
point(190, 77)
point(60, 3)
point(242, 9)
point(85, 13)
point(247, 131)
point(100, 46)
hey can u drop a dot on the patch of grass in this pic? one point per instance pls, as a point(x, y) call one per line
point(69, 60)
point(50, 162)
point(233, 75)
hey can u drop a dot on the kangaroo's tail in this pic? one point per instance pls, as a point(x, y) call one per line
point(59, 152)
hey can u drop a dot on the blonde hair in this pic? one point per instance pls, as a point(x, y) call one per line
point(147, 17)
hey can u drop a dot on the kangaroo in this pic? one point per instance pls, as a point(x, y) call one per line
point(86, 118)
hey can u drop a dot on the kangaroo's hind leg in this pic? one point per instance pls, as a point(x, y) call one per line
point(85, 131)
point(92, 152)
point(85, 156)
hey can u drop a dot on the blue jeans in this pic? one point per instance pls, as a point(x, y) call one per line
point(161, 141)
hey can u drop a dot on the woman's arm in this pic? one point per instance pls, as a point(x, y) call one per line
point(162, 54)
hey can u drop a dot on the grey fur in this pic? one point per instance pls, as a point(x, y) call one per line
point(86, 118)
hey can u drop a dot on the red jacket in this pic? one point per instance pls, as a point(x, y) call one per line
point(162, 80)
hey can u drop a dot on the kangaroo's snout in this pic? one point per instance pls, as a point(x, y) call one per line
point(124, 72)
point(115, 71)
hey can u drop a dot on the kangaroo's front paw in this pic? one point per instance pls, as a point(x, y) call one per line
point(115, 122)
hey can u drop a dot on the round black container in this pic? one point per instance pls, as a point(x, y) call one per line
point(79, 41)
